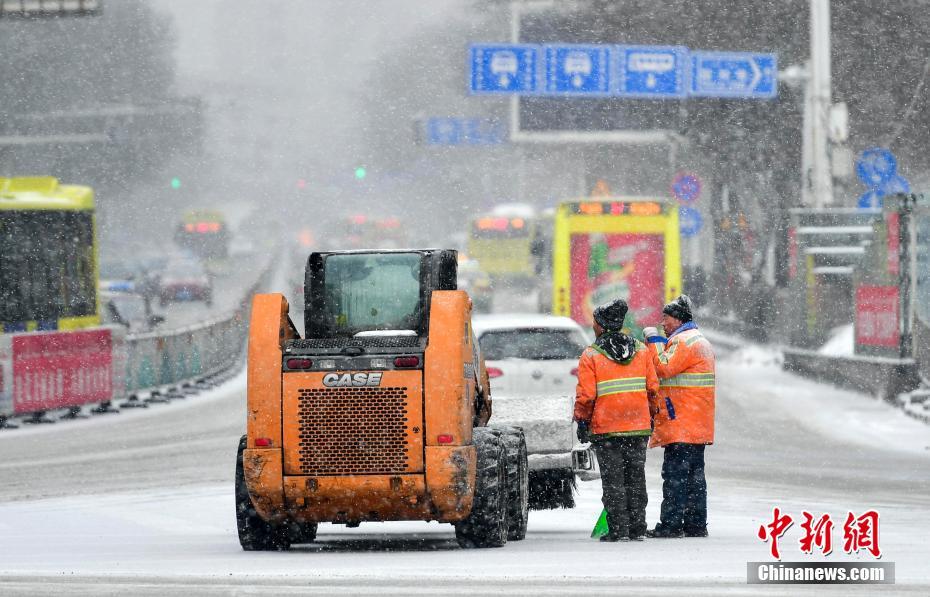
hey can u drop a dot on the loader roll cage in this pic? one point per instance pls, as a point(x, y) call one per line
point(351, 293)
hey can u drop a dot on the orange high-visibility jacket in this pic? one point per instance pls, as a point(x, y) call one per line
point(684, 407)
point(612, 396)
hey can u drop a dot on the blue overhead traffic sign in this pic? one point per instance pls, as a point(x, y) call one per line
point(451, 130)
point(876, 166)
point(575, 69)
point(503, 68)
point(734, 74)
point(651, 71)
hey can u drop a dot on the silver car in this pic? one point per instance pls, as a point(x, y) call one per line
point(532, 362)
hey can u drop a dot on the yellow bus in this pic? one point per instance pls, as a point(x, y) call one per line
point(618, 247)
point(503, 245)
point(48, 256)
point(204, 233)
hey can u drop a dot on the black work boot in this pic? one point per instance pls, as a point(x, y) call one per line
point(696, 532)
point(661, 532)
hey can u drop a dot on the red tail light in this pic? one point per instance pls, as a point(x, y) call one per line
point(575, 371)
point(407, 362)
point(445, 438)
point(299, 363)
point(262, 442)
point(494, 372)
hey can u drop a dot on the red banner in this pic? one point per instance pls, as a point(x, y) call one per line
point(58, 369)
point(605, 267)
point(877, 316)
point(894, 242)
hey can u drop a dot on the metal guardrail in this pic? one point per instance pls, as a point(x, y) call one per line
point(115, 366)
point(159, 359)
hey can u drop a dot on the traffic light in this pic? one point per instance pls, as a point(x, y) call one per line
point(175, 183)
point(301, 183)
point(360, 172)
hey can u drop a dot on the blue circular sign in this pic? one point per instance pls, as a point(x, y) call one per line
point(690, 221)
point(876, 166)
point(686, 187)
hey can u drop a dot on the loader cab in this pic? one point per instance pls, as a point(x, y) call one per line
point(363, 297)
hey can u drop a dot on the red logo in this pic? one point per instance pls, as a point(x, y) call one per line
point(859, 533)
point(775, 529)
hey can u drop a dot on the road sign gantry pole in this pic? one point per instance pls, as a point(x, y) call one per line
point(820, 182)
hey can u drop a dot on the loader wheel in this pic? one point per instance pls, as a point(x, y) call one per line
point(486, 525)
point(301, 532)
point(254, 533)
point(517, 484)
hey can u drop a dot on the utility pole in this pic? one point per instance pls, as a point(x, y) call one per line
point(818, 183)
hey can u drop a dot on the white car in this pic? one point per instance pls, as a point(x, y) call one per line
point(532, 362)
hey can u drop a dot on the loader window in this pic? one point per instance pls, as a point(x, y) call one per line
point(372, 292)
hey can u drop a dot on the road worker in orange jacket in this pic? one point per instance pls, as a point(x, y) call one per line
point(616, 377)
point(684, 419)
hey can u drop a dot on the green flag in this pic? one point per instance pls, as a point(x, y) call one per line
point(600, 527)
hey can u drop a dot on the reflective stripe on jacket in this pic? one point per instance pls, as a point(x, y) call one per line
point(614, 397)
point(684, 407)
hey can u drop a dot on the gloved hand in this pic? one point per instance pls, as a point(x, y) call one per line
point(647, 332)
point(583, 432)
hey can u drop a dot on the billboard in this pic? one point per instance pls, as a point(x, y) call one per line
point(877, 316)
point(606, 266)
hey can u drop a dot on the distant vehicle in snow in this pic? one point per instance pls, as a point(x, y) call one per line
point(185, 281)
point(531, 362)
point(476, 282)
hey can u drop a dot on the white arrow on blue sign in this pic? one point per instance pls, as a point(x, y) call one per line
point(734, 74)
point(576, 69)
point(690, 221)
point(651, 71)
point(503, 68)
point(876, 166)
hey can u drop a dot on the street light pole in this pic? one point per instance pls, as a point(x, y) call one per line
point(819, 182)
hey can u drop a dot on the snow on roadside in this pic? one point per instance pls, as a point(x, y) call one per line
point(842, 342)
point(755, 373)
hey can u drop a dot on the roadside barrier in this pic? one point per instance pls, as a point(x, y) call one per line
point(45, 371)
point(882, 377)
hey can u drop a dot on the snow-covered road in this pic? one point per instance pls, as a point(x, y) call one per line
point(141, 503)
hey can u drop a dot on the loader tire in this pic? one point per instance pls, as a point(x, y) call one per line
point(517, 484)
point(486, 524)
point(301, 532)
point(255, 534)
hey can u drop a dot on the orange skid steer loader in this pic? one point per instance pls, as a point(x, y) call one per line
point(379, 413)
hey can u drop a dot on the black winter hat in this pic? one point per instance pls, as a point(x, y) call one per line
point(680, 309)
point(611, 315)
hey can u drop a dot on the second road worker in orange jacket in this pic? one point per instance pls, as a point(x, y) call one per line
point(616, 377)
point(684, 419)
